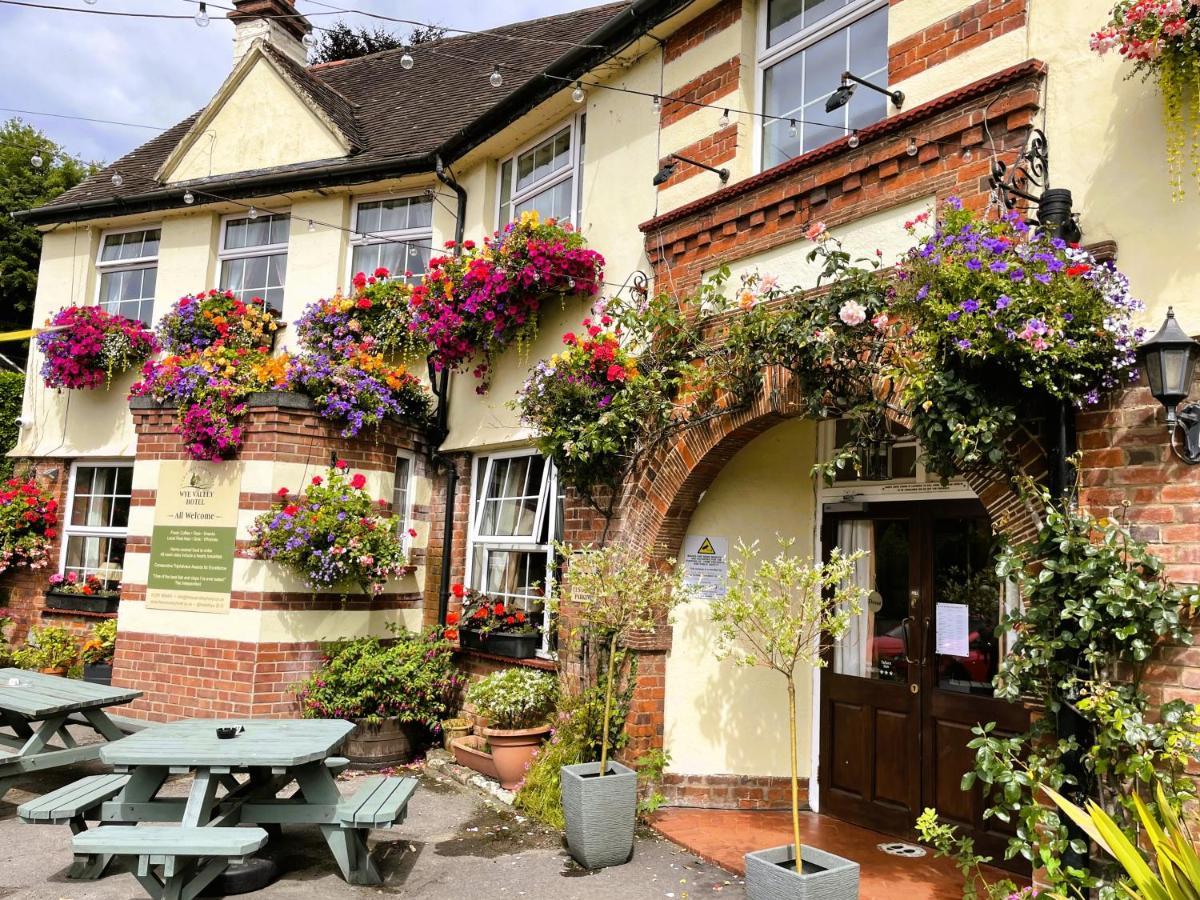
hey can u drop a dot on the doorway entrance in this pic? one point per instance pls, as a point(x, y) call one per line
point(913, 675)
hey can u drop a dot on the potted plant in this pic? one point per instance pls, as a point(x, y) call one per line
point(91, 593)
point(781, 614)
point(515, 703)
point(397, 692)
point(51, 650)
point(84, 346)
point(491, 626)
point(98, 651)
point(615, 592)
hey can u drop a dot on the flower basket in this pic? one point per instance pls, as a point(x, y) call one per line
point(88, 346)
point(511, 646)
point(75, 602)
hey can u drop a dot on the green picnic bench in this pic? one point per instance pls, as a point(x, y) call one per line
point(236, 782)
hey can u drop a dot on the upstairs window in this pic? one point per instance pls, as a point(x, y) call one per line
point(128, 267)
point(807, 46)
point(545, 177)
point(254, 258)
point(395, 233)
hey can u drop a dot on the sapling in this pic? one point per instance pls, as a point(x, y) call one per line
point(618, 592)
point(781, 614)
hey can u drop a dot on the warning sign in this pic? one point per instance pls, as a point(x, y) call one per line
point(706, 565)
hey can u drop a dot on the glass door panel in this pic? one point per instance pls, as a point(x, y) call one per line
point(967, 595)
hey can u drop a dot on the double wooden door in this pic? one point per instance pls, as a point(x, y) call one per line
point(896, 714)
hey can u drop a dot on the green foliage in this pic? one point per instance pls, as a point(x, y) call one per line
point(514, 698)
point(341, 41)
point(946, 841)
point(24, 186)
point(650, 769)
point(101, 645)
point(12, 390)
point(411, 678)
point(52, 647)
point(1175, 873)
point(6, 647)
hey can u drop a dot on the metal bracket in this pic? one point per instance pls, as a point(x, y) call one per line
point(1187, 421)
point(1030, 169)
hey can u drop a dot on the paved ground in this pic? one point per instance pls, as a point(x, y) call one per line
point(453, 846)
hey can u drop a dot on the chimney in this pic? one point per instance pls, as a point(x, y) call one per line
point(275, 21)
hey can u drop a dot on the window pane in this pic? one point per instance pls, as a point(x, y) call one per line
point(101, 497)
point(515, 575)
point(368, 217)
point(824, 63)
point(506, 172)
point(510, 498)
point(130, 245)
point(868, 45)
point(87, 555)
point(543, 160)
point(256, 276)
point(400, 499)
point(788, 17)
point(260, 232)
point(553, 202)
point(396, 257)
point(129, 292)
point(781, 86)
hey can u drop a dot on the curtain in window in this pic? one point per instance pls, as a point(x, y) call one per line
point(852, 655)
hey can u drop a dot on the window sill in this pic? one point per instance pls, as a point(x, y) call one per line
point(546, 665)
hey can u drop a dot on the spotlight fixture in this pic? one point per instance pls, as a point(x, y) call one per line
point(841, 96)
point(668, 169)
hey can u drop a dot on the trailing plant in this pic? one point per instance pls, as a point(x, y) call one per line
point(615, 591)
point(197, 321)
point(101, 645)
point(1162, 40)
point(475, 304)
point(780, 614)
point(488, 615)
point(28, 523)
point(1175, 873)
point(333, 535)
point(376, 317)
point(359, 390)
point(52, 647)
point(1095, 604)
point(88, 345)
point(997, 318)
point(410, 677)
point(514, 698)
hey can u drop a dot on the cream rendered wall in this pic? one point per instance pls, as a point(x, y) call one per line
point(318, 260)
point(1108, 146)
point(261, 124)
point(719, 718)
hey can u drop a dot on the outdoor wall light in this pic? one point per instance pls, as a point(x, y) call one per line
point(668, 169)
point(845, 91)
point(1169, 359)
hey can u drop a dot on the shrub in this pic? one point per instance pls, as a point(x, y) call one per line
point(514, 698)
point(52, 647)
point(101, 646)
point(28, 522)
point(411, 678)
point(12, 391)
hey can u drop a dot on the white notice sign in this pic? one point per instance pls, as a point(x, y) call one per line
point(705, 565)
point(953, 630)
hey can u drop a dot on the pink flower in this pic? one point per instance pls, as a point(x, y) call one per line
point(358, 482)
point(816, 232)
point(852, 313)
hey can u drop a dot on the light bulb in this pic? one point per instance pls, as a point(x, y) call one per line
point(912, 146)
point(90, 2)
point(36, 161)
point(792, 129)
point(578, 95)
point(308, 41)
point(496, 79)
point(853, 140)
point(189, 198)
point(412, 251)
point(117, 180)
point(253, 214)
point(657, 102)
point(311, 225)
point(406, 60)
point(723, 122)
point(202, 15)
point(967, 155)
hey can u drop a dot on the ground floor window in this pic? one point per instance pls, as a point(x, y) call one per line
point(516, 518)
point(97, 520)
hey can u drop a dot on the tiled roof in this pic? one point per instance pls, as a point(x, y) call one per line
point(388, 113)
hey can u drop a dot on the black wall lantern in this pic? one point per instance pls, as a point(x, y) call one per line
point(1169, 360)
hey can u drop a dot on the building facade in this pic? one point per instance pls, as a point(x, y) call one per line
point(292, 179)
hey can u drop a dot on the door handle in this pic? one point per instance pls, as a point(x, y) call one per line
point(906, 636)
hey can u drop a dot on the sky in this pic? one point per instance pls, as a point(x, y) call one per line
point(156, 72)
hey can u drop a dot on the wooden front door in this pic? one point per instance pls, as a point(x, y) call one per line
point(896, 714)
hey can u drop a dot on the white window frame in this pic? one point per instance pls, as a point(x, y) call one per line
point(796, 43)
point(224, 255)
point(573, 171)
point(67, 530)
point(361, 239)
point(110, 266)
point(405, 515)
point(547, 507)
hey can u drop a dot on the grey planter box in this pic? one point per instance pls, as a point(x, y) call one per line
point(823, 876)
point(600, 813)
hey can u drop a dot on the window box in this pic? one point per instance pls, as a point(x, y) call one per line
point(510, 646)
point(92, 603)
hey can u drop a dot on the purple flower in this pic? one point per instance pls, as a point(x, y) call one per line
point(1002, 301)
point(954, 316)
point(963, 344)
point(1017, 275)
point(974, 264)
point(970, 306)
point(998, 266)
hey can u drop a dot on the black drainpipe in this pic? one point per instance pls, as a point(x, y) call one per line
point(440, 381)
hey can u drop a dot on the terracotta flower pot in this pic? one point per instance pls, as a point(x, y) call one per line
point(513, 750)
point(469, 751)
point(60, 671)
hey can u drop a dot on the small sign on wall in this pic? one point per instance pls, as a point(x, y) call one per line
point(706, 565)
point(195, 529)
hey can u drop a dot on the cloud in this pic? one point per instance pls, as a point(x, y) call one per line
point(156, 72)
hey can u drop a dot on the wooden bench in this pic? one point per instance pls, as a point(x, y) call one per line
point(178, 850)
point(73, 804)
point(337, 764)
point(380, 801)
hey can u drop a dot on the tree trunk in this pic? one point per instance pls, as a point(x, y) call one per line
point(608, 692)
point(791, 685)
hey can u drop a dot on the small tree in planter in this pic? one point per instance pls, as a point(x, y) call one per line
point(516, 704)
point(616, 592)
point(780, 614)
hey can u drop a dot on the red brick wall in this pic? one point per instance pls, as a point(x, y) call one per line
point(437, 520)
point(731, 791)
point(701, 28)
point(714, 150)
point(954, 35)
point(709, 87)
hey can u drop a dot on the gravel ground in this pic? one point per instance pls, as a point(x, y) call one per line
point(453, 846)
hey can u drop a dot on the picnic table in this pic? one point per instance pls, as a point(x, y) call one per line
point(34, 713)
point(179, 861)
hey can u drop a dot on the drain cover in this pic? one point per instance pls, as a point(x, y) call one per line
point(899, 848)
